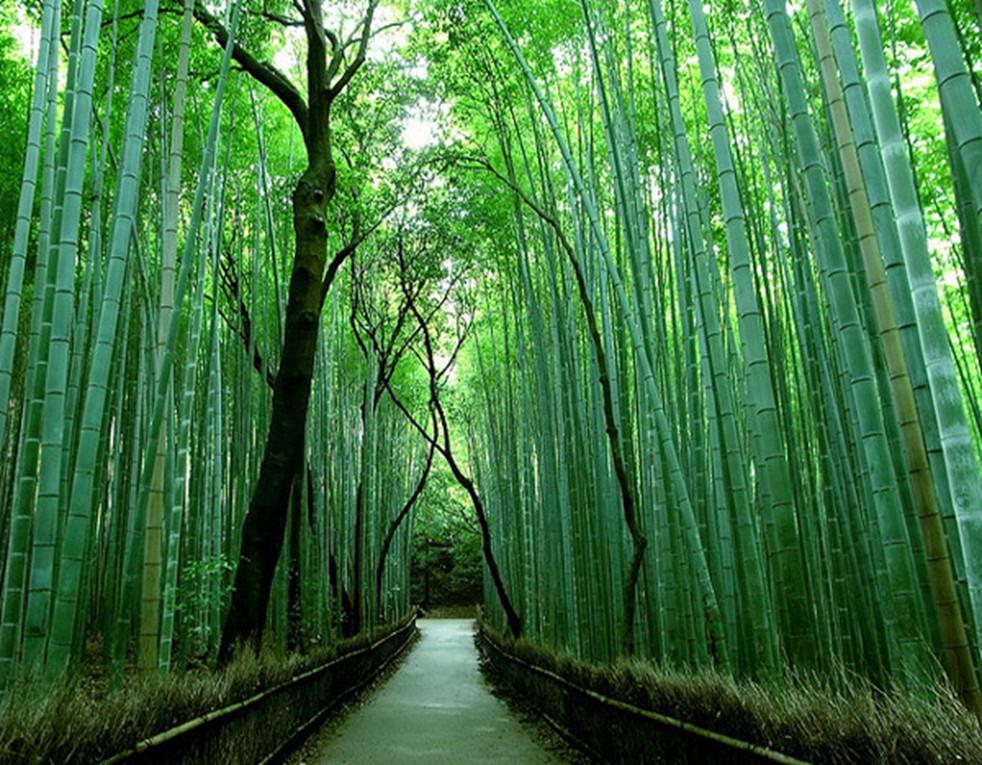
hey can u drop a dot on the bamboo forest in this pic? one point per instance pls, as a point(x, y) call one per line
point(491, 381)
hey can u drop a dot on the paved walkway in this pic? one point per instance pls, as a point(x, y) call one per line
point(436, 709)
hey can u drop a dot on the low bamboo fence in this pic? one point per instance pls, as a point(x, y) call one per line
point(267, 726)
point(613, 731)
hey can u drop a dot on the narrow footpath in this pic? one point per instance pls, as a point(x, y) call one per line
point(436, 709)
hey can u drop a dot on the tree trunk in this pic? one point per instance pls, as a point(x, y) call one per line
point(265, 521)
point(511, 615)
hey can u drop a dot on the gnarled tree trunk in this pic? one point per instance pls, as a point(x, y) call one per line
point(265, 521)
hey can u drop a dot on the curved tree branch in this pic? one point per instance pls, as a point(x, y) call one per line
point(263, 72)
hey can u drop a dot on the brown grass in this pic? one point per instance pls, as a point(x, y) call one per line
point(845, 721)
point(78, 722)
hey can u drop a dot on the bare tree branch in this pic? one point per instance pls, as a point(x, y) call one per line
point(338, 57)
point(262, 71)
point(243, 327)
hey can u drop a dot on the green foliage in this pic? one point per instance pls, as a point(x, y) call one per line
point(15, 95)
point(204, 587)
point(446, 565)
point(641, 253)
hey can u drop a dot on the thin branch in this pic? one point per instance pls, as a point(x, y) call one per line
point(358, 238)
point(243, 328)
point(263, 72)
point(283, 21)
point(352, 68)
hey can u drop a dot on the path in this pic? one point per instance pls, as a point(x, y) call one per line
point(436, 709)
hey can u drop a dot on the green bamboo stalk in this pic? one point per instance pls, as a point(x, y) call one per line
point(708, 594)
point(19, 533)
point(794, 609)
point(855, 353)
point(37, 620)
point(963, 467)
point(956, 653)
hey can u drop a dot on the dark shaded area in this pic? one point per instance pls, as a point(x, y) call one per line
point(447, 568)
point(446, 572)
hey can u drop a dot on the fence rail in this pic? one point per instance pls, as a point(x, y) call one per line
point(265, 727)
point(614, 731)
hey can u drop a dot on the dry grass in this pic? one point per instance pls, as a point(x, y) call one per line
point(805, 717)
point(78, 722)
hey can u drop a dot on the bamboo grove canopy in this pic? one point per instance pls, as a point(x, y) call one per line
point(686, 296)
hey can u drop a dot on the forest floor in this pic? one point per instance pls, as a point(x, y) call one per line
point(437, 709)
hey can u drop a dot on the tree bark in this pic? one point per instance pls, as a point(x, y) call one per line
point(265, 521)
point(511, 615)
point(329, 70)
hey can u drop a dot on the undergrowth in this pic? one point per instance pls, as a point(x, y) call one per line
point(77, 721)
point(802, 716)
point(452, 612)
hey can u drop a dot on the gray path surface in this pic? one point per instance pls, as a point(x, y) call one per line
point(436, 709)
